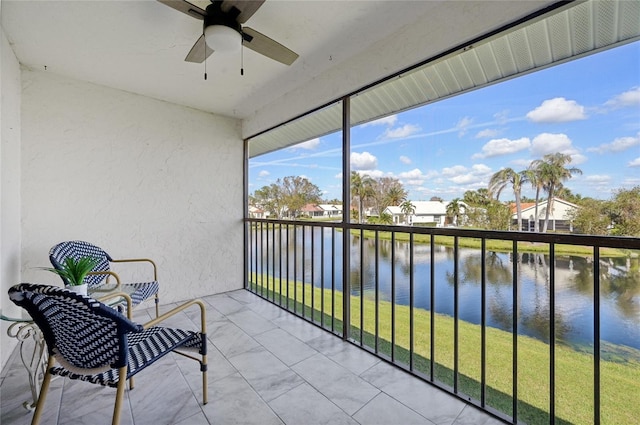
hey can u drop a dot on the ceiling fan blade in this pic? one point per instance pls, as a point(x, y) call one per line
point(246, 7)
point(199, 52)
point(186, 8)
point(262, 44)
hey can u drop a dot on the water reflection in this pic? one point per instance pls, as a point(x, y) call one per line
point(574, 283)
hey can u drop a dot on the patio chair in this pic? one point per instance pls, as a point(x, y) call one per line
point(98, 278)
point(93, 342)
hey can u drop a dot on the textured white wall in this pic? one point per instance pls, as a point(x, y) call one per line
point(138, 177)
point(9, 188)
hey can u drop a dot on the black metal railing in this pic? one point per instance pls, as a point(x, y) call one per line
point(446, 305)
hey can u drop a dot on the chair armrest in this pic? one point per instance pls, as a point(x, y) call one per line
point(137, 260)
point(108, 273)
point(178, 309)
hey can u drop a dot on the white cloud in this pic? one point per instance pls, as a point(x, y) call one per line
point(398, 132)
point(263, 173)
point(405, 159)
point(487, 133)
point(308, 145)
point(454, 171)
point(634, 163)
point(628, 98)
point(498, 147)
point(546, 143)
point(557, 109)
point(502, 117)
point(390, 120)
point(462, 125)
point(375, 174)
point(460, 174)
point(480, 169)
point(598, 179)
point(412, 178)
point(363, 161)
point(618, 145)
point(577, 158)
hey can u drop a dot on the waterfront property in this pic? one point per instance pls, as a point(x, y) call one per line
point(109, 136)
point(559, 215)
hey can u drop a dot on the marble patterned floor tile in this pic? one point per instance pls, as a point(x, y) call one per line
point(224, 304)
point(299, 328)
point(267, 309)
point(305, 405)
point(218, 367)
point(265, 373)
point(338, 384)
point(198, 419)
point(384, 410)
point(429, 401)
point(244, 297)
point(250, 322)
point(85, 403)
point(231, 340)
point(348, 355)
point(294, 373)
point(474, 416)
point(289, 349)
point(162, 385)
point(233, 401)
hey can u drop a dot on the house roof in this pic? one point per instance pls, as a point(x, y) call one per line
point(523, 205)
point(311, 208)
point(530, 209)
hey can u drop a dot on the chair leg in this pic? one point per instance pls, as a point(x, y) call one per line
point(43, 393)
point(122, 383)
point(205, 384)
point(157, 306)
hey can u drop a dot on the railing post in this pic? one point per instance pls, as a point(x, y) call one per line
point(346, 216)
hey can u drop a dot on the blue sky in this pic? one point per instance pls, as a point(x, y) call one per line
point(588, 108)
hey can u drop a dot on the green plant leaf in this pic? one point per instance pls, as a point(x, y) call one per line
point(74, 271)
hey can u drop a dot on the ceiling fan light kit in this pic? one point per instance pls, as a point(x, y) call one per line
point(223, 30)
point(222, 39)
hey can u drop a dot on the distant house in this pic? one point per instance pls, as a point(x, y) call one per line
point(434, 212)
point(312, 210)
point(322, 210)
point(559, 216)
point(331, 210)
point(255, 212)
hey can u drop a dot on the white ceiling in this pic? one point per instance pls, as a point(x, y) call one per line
point(139, 45)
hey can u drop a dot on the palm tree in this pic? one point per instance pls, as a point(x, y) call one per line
point(552, 172)
point(533, 176)
point(407, 209)
point(454, 209)
point(395, 196)
point(500, 180)
point(362, 188)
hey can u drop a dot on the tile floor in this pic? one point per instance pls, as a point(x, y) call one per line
point(266, 366)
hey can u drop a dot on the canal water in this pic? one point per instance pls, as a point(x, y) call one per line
point(574, 284)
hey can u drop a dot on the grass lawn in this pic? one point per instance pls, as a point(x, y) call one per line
point(620, 374)
point(496, 244)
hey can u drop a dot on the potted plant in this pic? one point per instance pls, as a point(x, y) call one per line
point(74, 271)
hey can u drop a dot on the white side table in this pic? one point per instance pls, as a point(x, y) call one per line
point(34, 358)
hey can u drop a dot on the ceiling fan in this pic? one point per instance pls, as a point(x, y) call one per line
point(223, 30)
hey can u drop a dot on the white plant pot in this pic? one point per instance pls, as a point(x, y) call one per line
point(78, 289)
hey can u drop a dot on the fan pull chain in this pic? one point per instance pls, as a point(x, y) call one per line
point(242, 58)
point(205, 58)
